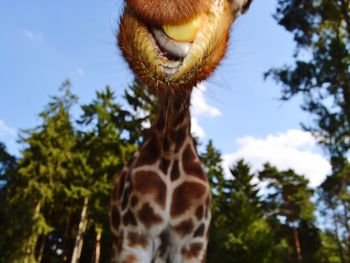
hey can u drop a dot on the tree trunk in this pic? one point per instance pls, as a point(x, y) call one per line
point(297, 245)
point(340, 247)
point(30, 247)
point(98, 246)
point(67, 228)
point(42, 247)
point(78, 245)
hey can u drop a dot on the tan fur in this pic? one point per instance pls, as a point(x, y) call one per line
point(160, 207)
point(138, 47)
point(161, 12)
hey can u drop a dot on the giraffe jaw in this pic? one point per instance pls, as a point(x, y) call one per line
point(146, 47)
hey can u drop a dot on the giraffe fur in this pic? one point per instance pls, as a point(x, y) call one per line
point(160, 205)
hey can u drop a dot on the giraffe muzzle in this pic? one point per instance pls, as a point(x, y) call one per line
point(176, 40)
point(178, 50)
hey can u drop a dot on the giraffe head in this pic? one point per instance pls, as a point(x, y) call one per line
point(172, 45)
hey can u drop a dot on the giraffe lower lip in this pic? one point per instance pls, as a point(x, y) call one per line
point(169, 71)
point(179, 50)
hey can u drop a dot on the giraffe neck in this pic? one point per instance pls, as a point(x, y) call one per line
point(173, 124)
point(169, 138)
point(162, 197)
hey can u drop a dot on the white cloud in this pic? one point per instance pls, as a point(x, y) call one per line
point(201, 108)
point(5, 130)
point(33, 35)
point(200, 105)
point(293, 149)
point(196, 129)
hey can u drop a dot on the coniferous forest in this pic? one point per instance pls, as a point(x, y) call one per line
point(54, 196)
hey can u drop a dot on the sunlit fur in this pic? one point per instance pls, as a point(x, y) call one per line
point(160, 209)
point(141, 51)
point(169, 11)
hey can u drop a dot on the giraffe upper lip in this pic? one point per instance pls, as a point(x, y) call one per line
point(179, 50)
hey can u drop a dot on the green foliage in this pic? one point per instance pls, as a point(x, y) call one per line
point(288, 195)
point(62, 164)
point(334, 197)
point(105, 152)
point(321, 29)
point(65, 162)
point(238, 226)
point(289, 209)
point(142, 109)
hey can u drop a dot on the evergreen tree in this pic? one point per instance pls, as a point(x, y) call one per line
point(291, 213)
point(142, 108)
point(11, 216)
point(248, 229)
point(321, 29)
point(7, 165)
point(334, 194)
point(106, 151)
point(237, 226)
point(46, 167)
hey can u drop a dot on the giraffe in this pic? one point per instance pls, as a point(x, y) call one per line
point(160, 206)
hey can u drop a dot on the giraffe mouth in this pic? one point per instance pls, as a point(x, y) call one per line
point(179, 50)
point(173, 58)
point(174, 42)
point(171, 52)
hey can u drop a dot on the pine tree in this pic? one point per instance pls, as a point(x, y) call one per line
point(320, 73)
point(103, 143)
point(142, 108)
point(237, 226)
point(45, 167)
point(334, 196)
point(290, 211)
point(11, 217)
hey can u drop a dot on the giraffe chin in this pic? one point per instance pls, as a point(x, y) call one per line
point(170, 67)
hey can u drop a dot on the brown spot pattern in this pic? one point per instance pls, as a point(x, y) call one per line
point(186, 196)
point(148, 217)
point(137, 240)
point(191, 164)
point(199, 231)
point(129, 218)
point(134, 201)
point(161, 121)
point(118, 241)
point(130, 259)
point(115, 193)
point(166, 143)
point(150, 183)
point(193, 251)
point(196, 248)
point(179, 138)
point(115, 217)
point(181, 115)
point(184, 228)
point(175, 171)
point(164, 165)
point(150, 153)
point(200, 212)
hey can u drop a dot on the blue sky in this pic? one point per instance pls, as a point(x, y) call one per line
point(42, 43)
